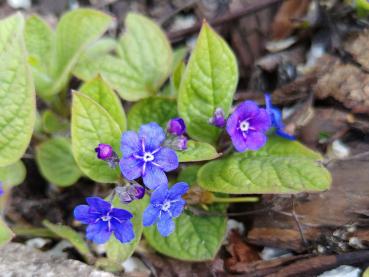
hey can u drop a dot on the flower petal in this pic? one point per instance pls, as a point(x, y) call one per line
point(98, 205)
point(261, 122)
point(165, 225)
point(131, 167)
point(120, 214)
point(129, 143)
point(177, 190)
point(247, 109)
point(81, 213)
point(255, 140)
point(232, 124)
point(166, 158)
point(98, 232)
point(176, 208)
point(239, 142)
point(150, 215)
point(153, 136)
point(123, 231)
point(154, 176)
point(159, 195)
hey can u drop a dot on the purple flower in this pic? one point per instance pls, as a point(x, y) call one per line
point(1, 189)
point(218, 119)
point(103, 220)
point(165, 204)
point(276, 116)
point(247, 126)
point(104, 151)
point(144, 156)
point(176, 126)
point(130, 192)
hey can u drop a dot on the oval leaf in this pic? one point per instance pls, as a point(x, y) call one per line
point(197, 151)
point(91, 125)
point(145, 59)
point(153, 109)
point(55, 160)
point(209, 82)
point(118, 251)
point(52, 123)
point(99, 91)
point(281, 166)
point(17, 99)
point(5, 233)
point(196, 238)
point(13, 175)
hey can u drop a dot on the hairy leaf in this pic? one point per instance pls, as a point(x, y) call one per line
point(197, 151)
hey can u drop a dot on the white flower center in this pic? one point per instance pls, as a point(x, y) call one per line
point(148, 157)
point(165, 207)
point(244, 126)
point(106, 218)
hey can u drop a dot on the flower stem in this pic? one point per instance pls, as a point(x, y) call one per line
point(235, 199)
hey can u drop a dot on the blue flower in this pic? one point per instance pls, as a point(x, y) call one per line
point(165, 204)
point(144, 156)
point(276, 116)
point(103, 220)
point(247, 126)
point(1, 189)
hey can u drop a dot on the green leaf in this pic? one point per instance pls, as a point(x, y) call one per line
point(55, 159)
point(5, 233)
point(153, 109)
point(39, 39)
point(118, 251)
point(13, 175)
point(281, 166)
point(91, 125)
point(366, 272)
point(197, 151)
point(196, 238)
point(145, 60)
point(90, 61)
point(209, 82)
point(188, 174)
point(99, 91)
point(75, 32)
point(72, 236)
point(17, 98)
point(52, 123)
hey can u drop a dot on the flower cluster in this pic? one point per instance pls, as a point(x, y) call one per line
point(144, 155)
point(150, 153)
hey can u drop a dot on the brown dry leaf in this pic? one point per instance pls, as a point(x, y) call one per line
point(358, 48)
point(240, 252)
point(346, 83)
point(283, 25)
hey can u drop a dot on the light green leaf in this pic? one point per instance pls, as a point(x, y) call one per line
point(13, 175)
point(196, 238)
point(281, 166)
point(91, 125)
point(72, 236)
point(52, 123)
point(188, 174)
point(366, 272)
point(99, 91)
point(5, 233)
point(145, 60)
point(17, 98)
point(197, 151)
point(89, 63)
point(209, 82)
point(118, 251)
point(39, 39)
point(153, 109)
point(55, 159)
point(75, 32)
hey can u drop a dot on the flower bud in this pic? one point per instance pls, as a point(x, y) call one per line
point(176, 126)
point(104, 151)
point(181, 143)
point(218, 119)
point(129, 193)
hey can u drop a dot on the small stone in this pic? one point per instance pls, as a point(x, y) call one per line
point(342, 271)
point(270, 253)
